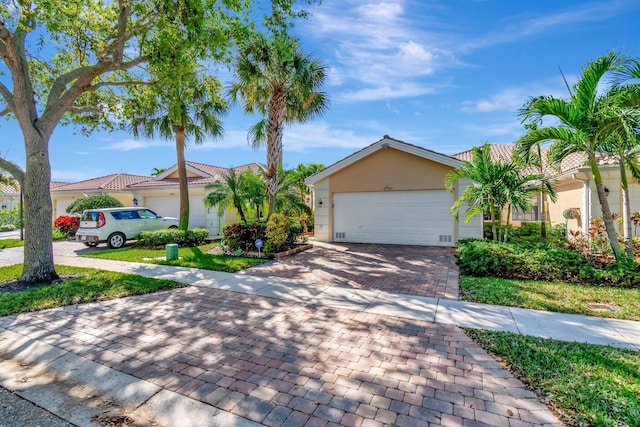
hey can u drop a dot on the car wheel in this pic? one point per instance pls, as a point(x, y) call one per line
point(173, 227)
point(116, 240)
point(91, 245)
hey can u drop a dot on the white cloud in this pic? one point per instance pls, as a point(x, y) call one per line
point(321, 135)
point(377, 47)
point(135, 144)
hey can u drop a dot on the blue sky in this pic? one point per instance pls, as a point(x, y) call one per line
point(444, 75)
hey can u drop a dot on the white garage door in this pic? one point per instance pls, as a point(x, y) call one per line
point(394, 217)
point(62, 205)
point(198, 217)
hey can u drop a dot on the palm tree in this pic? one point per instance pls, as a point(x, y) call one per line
point(584, 126)
point(288, 197)
point(231, 191)
point(181, 107)
point(278, 81)
point(302, 172)
point(486, 193)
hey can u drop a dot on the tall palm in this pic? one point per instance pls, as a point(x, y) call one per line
point(582, 127)
point(278, 81)
point(228, 192)
point(288, 197)
point(486, 193)
point(181, 107)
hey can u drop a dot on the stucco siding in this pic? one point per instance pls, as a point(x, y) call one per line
point(473, 228)
point(569, 196)
point(322, 206)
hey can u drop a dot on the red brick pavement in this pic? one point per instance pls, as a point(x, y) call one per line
point(414, 270)
point(293, 365)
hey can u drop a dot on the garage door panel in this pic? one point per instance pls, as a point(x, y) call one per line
point(395, 217)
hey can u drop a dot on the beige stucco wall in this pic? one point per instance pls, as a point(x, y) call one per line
point(569, 195)
point(60, 200)
point(387, 169)
point(390, 169)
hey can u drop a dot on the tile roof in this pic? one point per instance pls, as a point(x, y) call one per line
point(114, 182)
point(10, 190)
point(571, 163)
point(206, 169)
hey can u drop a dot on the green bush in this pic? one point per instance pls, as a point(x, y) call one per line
point(96, 201)
point(528, 233)
point(7, 227)
point(10, 217)
point(242, 237)
point(59, 234)
point(278, 233)
point(510, 261)
point(193, 237)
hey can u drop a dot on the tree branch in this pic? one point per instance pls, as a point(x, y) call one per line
point(84, 110)
point(100, 85)
point(5, 111)
point(6, 94)
point(15, 170)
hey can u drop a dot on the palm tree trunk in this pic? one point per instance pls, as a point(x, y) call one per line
point(182, 179)
point(543, 219)
point(506, 228)
point(606, 211)
point(626, 209)
point(277, 109)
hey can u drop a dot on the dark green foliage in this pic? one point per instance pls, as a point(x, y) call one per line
point(192, 237)
point(94, 202)
point(243, 236)
point(511, 261)
point(528, 233)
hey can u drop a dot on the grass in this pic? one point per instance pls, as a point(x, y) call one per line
point(88, 285)
point(589, 385)
point(558, 297)
point(11, 243)
point(194, 257)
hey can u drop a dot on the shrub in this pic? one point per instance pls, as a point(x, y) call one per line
point(96, 201)
point(8, 227)
point(509, 261)
point(193, 237)
point(58, 234)
point(528, 233)
point(278, 233)
point(67, 223)
point(242, 236)
point(10, 217)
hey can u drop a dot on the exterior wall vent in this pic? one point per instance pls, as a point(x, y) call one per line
point(446, 238)
point(341, 235)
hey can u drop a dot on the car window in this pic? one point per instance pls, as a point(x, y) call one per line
point(125, 215)
point(89, 216)
point(147, 213)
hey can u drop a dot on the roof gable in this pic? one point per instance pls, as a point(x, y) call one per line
point(385, 142)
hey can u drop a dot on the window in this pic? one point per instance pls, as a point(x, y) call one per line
point(146, 213)
point(125, 215)
point(533, 215)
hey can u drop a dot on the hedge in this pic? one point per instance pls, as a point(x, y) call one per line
point(510, 261)
point(96, 201)
point(193, 237)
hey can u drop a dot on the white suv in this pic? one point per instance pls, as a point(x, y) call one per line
point(117, 225)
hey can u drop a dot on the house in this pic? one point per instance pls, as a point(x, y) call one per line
point(390, 192)
point(577, 200)
point(9, 195)
point(161, 193)
point(115, 185)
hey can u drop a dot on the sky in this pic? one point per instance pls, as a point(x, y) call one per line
point(441, 74)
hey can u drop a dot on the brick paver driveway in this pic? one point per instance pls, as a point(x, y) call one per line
point(296, 365)
point(415, 270)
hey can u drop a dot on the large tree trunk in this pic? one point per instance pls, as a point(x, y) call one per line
point(606, 211)
point(182, 180)
point(38, 246)
point(277, 109)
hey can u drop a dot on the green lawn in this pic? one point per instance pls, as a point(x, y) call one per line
point(89, 285)
point(590, 385)
point(195, 257)
point(559, 297)
point(10, 243)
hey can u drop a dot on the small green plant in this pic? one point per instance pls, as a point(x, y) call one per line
point(10, 217)
point(96, 201)
point(277, 233)
point(192, 237)
point(59, 234)
point(7, 227)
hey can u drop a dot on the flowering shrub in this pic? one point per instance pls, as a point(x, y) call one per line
point(67, 223)
point(242, 236)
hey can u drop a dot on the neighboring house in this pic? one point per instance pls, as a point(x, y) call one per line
point(577, 201)
point(9, 195)
point(389, 192)
point(162, 195)
point(115, 185)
